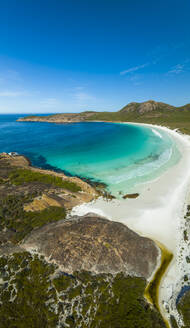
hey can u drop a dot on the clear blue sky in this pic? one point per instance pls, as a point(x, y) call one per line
point(74, 55)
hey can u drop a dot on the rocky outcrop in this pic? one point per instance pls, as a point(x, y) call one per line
point(94, 244)
point(18, 160)
point(135, 195)
point(59, 198)
point(59, 118)
point(145, 107)
point(51, 196)
point(42, 202)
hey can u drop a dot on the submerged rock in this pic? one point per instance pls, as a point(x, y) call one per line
point(95, 244)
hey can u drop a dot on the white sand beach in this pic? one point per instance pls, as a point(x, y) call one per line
point(158, 212)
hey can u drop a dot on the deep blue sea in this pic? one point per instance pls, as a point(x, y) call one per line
point(122, 156)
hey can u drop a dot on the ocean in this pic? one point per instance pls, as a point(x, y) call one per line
point(123, 156)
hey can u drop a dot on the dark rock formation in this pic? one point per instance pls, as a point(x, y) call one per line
point(131, 196)
point(95, 244)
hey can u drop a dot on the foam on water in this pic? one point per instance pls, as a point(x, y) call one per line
point(157, 133)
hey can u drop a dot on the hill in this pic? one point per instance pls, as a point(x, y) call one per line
point(151, 112)
point(147, 106)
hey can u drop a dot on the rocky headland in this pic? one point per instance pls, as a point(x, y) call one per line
point(31, 197)
point(58, 118)
point(79, 267)
point(150, 111)
point(90, 243)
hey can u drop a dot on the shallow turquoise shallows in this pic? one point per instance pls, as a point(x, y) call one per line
point(123, 156)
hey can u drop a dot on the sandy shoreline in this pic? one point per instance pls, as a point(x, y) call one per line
point(157, 213)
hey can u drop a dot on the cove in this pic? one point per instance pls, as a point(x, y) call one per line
point(122, 156)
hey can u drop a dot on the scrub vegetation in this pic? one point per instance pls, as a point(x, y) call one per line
point(14, 218)
point(183, 303)
point(22, 176)
point(24, 292)
point(19, 187)
point(171, 119)
point(34, 294)
point(184, 309)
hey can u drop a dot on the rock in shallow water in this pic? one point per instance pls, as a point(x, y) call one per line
point(95, 244)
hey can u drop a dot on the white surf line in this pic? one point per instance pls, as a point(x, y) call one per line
point(157, 213)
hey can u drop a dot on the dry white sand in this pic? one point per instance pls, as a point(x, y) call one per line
point(157, 212)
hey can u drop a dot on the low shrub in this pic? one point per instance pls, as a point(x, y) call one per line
point(21, 176)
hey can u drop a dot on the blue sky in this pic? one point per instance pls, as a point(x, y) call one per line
point(75, 55)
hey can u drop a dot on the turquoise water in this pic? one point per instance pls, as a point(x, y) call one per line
point(122, 156)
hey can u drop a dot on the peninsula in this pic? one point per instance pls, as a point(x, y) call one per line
point(151, 112)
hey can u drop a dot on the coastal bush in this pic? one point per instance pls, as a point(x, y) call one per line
point(173, 322)
point(185, 235)
point(173, 119)
point(31, 296)
point(21, 176)
point(62, 282)
point(14, 218)
point(184, 308)
point(26, 307)
point(127, 308)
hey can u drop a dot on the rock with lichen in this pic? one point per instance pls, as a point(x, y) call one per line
point(95, 244)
